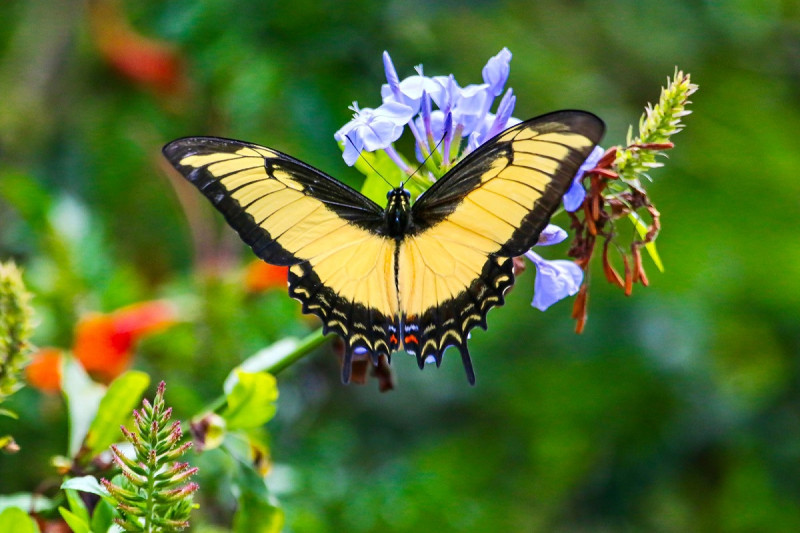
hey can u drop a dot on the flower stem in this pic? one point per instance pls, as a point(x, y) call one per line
point(306, 346)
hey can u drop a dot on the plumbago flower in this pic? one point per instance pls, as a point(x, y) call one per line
point(448, 121)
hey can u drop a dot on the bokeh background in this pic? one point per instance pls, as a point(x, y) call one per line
point(678, 409)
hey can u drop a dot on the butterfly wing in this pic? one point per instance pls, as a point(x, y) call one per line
point(491, 207)
point(341, 267)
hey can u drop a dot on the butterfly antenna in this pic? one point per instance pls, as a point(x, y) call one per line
point(435, 148)
point(361, 155)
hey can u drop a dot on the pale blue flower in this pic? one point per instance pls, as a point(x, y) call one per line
point(409, 91)
point(550, 235)
point(373, 129)
point(494, 124)
point(576, 193)
point(555, 280)
point(467, 104)
point(495, 73)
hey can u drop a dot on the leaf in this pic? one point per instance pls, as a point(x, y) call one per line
point(103, 516)
point(9, 414)
point(256, 513)
point(75, 522)
point(251, 403)
point(85, 484)
point(5, 440)
point(83, 398)
point(77, 506)
point(641, 229)
point(25, 500)
point(382, 170)
point(16, 520)
point(262, 360)
point(115, 409)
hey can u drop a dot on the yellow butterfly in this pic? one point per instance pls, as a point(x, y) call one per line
point(415, 277)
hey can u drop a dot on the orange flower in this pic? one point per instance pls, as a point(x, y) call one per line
point(44, 370)
point(104, 343)
point(260, 276)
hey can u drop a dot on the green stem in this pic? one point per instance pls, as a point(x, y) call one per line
point(306, 346)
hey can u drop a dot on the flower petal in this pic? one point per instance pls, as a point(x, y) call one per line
point(576, 193)
point(551, 234)
point(555, 280)
point(495, 73)
point(373, 129)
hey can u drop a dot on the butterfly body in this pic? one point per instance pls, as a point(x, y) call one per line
point(398, 212)
point(416, 277)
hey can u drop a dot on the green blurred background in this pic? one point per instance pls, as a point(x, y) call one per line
point(678, 408)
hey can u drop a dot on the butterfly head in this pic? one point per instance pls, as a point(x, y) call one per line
point(398, 210)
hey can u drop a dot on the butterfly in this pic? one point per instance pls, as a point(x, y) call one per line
point(408, 276)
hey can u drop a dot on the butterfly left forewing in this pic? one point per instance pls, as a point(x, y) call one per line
point(341, 268)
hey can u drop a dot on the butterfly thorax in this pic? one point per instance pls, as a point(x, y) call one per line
point(398, 212)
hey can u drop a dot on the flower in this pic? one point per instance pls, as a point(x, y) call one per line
point(372, 129)
point(576, 193)
point(143, 60)
point(495, 73)
point(104, 343)
point(557, 279)
point(410, 90)
point(260, 276)
point(408, 102)
point(44, 370)
point(154, 492)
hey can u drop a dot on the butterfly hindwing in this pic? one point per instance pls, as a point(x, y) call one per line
point(341, 267)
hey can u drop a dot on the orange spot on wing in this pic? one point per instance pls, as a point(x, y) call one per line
point(409, 339)
point(393, 339)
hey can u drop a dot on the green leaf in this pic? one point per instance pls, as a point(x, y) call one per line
point(115, 409)
point(77, 506)
point(25, 500)
point(256, 513)
point(251, 403)
point(27, 196)
point(75, 522)
point(85, 484)
point(375, 186)
point(103, 516)
point(16, 520)
point(83, 398)
point(9, 414)
point(263, 360)
point(641, 229)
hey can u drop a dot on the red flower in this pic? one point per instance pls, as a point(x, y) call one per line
point(260, 276)
point(104, 343)
point(144, 60)
point(44, 370)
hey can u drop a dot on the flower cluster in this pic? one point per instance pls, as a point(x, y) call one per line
point(104, 343)
point(151, 494)
point(448, 122)
point(615, 192)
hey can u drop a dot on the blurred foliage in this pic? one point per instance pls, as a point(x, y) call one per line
point(676, 410)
